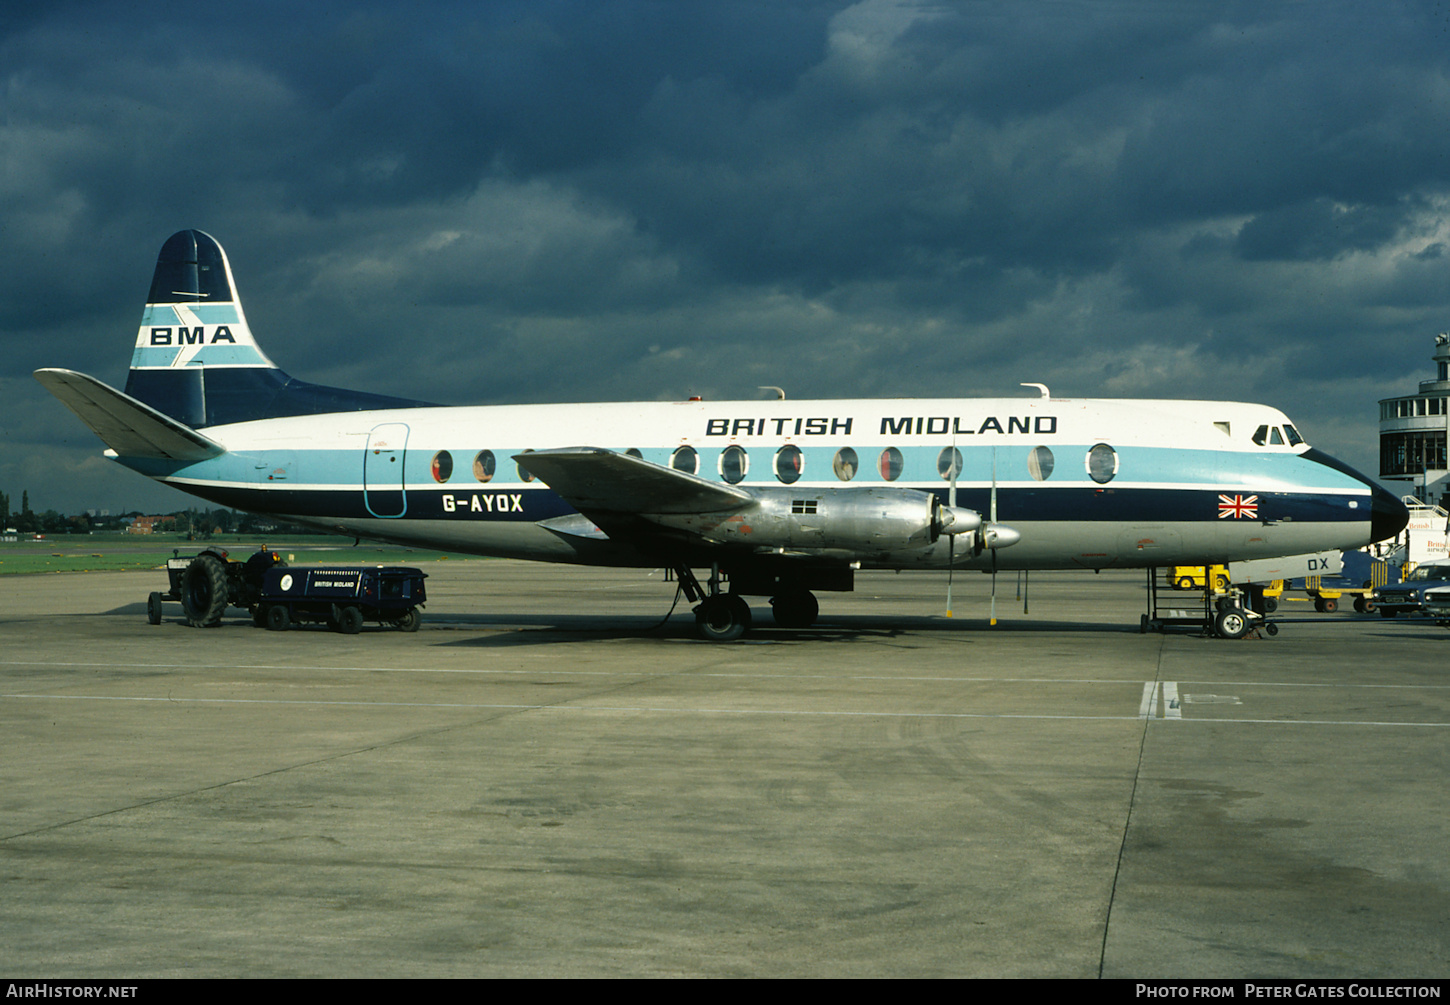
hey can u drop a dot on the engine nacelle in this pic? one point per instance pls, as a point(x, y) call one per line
point(859, 521)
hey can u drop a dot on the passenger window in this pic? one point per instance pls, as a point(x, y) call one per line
point(733, 464)
point(949, 463)
point(789, 463)
point(845, 464)
point(1039, 463)
point(484, 465)
point(685, 459)
point(1102, 463)
point(890, 464)
point(442, 466)
point(1261, 435)
point(524, 476)
point(634, 452)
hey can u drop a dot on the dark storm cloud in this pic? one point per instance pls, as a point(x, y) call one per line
point(540, 201)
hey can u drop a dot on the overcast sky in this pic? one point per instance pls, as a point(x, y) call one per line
point(562, 201)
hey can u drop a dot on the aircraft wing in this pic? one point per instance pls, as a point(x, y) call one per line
point(593, 481)
point(129, 427)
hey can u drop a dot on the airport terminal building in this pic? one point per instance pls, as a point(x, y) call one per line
point(1412, 432)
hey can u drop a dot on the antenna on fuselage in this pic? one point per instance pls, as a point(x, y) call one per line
point(1040, 387)
point(779, 391)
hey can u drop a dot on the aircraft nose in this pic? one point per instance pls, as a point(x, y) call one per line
point(1388, 516)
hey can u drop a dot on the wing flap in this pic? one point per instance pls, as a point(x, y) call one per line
point(593, 480)
point(129, 427)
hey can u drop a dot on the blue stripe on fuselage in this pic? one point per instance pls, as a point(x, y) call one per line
point(1254, 472)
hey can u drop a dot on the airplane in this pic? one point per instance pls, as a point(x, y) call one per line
point(777, 498)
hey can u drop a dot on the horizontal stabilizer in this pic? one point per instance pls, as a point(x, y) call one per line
point(129, 427)
point(600, 481)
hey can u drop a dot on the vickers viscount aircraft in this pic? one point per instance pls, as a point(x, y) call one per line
point(778, 499)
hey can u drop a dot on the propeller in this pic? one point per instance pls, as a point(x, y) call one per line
point(994, 548)
point(952, 521)
point(994, 535)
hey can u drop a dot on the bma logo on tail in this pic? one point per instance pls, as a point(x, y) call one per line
point(192, 336)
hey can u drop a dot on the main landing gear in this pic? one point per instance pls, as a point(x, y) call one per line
point(724, 617)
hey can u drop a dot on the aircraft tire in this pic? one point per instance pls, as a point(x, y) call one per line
point(795, 610)
point(350, 622)
point(278, 618)
point(722, 618)
point(204, 591)
point(1231, 624)
point(153, 608)
point(410, 620)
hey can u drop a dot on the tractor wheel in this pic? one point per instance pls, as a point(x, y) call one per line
point(204, 591)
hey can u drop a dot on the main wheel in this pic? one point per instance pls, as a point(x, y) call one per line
point(153, 608)
point(410, 620)
point(204, 591)
point(350, 622)
point(1231, 624)
point(279, 619)
point(798, 609)
point(722, 618)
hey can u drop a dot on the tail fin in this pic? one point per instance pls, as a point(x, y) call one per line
point(196, 359)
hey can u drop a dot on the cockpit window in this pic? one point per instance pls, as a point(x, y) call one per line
point(1261, 435)
point(1294, 438)
point(1275, 437)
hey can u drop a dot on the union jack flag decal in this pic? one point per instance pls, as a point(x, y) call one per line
point(1238, 507)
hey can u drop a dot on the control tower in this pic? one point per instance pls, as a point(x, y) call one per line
point(1412, 433)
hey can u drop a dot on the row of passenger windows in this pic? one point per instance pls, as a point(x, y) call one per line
point(789, 464)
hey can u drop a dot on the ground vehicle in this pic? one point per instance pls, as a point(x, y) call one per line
point(1437, 605)
point(1190, 577)
point(343, 597)
point(1408, 595)
point(208, 583)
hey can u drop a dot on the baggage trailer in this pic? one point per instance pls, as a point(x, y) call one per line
point(343, 597)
